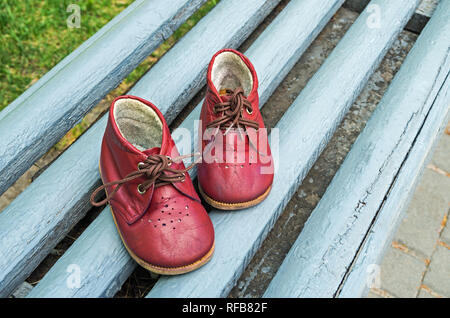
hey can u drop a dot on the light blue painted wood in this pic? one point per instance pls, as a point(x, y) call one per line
point(41, 117)
point(312, 18)
point(64, 208)
point(304, 131)
point(86, 256)
point(380, 235)
point(329, 241)
point(418, 20)
point(47, 209)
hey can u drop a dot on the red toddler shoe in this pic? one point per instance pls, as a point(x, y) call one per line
point(155, 207)
point(237, 167)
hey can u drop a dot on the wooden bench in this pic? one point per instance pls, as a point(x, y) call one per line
point(350, 226)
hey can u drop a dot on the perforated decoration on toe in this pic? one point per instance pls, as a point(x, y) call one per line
point(167, 214)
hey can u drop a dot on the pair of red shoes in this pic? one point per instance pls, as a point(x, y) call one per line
point(156, 209)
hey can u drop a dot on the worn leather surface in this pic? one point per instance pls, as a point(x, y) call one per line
point(166, 226)
point(233, 180)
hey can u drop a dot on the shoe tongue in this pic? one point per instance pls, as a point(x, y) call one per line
point(152, 151)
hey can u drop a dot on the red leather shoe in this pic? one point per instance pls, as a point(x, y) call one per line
point(160, 218)
point(240, 175)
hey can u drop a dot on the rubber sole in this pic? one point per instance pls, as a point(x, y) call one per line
point(233, 206)
point(159, 269)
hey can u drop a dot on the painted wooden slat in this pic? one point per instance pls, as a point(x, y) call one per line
point(47, 209)
point(419, 19)
point(314, 18)
point(363, 272)
point(85, 257)
point(319, 259)
point(425, 8)
point(304, 130)
point(63, 208)
point(60, 100)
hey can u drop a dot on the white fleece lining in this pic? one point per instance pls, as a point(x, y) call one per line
point(230, 72)
point(138, 123)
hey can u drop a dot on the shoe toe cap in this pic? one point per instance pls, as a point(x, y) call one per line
point(175, 239)
point(234, 183)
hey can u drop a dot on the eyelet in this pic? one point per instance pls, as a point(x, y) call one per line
point(140, 190)
point(248, 112)
point(140, 165)
point(170, 161)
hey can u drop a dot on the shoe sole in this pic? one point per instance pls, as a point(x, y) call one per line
point(159, 269)
point(233, 206)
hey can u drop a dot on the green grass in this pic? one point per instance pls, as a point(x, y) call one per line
point(35, 37)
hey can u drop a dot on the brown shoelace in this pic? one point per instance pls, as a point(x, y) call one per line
point(232, 112)
point(156, 169)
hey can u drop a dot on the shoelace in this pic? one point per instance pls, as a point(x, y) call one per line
point(156, 169)
point(232, 112)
